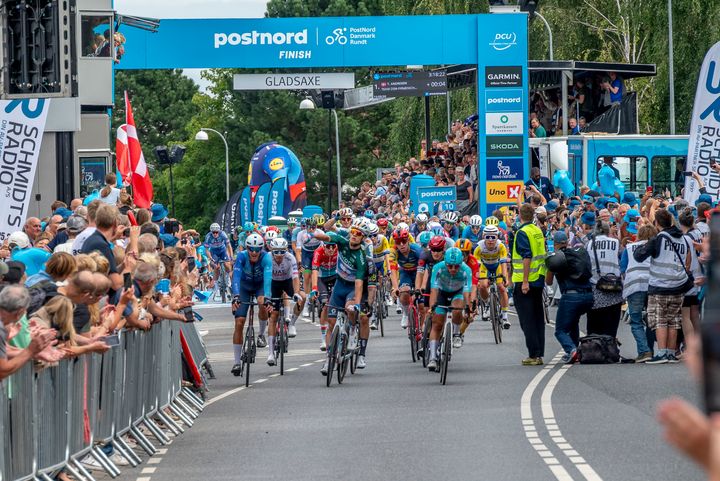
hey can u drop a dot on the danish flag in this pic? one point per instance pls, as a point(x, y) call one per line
point(131, 161)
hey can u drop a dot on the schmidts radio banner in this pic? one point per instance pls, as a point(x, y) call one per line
point(22, 123)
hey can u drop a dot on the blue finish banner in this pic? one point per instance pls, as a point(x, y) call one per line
point(246, 213)
point(304, 42)
point(276, 203)
point(260, 203)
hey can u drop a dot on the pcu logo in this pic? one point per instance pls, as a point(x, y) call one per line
point(504, 41)
point(713, 108)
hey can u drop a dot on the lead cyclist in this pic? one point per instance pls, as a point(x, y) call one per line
point(220, 250)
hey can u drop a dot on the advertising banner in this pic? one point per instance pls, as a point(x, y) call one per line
point(246, 213)
point(22, 123)
point(276, 202)
point(704, 145)
point(503, 192)
point(416, 182)
point(260, 204)
point(294, 81)
point(505, 169)
point(232, 214)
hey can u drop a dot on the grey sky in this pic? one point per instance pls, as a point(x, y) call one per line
point(192, 9)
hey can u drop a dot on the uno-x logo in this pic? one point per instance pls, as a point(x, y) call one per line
point(513, 191)
point(714, 107)
point(27, 109)
point(504, 41)
point(338, 35)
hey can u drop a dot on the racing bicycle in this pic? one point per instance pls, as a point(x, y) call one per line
point(445, 343)
point(341, 354)
point(494, 305)
point(249, 348)
point(281, 336)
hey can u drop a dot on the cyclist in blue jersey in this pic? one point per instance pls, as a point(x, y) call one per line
point(450, 285)
point(348, 289)
point(404, 260)
point(449, 223)
point(247, 229)
point(419, 225)
point(252, 276)
point(219, 248)
point(473, 231)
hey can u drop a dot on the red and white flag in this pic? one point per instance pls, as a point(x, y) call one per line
point(131, 161)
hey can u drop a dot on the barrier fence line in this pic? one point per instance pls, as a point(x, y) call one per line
point(53, 418)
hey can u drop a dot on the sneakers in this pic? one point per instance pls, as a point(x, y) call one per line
point(237, 370)
point(506, 324)
point(292, 331)
point(532, 361)
point(271, 359)
point(571, 358)
point(261, 341)
point(511, 301)
point(374, 325)
point(91, 463)
point(389, 301)
point(398, 309)
point(658, 359)
point(324, 368)
point(644, 357)
point(432, 365)
point(404, 322)
point(323, 345)
point(457, 341)
point(672, 359)
point(306, 311)
point(119, 460)
point(361, 364)
point(485, 312)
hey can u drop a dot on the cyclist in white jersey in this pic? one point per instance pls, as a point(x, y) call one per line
point(285, 281)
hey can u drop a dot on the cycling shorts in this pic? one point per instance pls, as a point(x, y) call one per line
point(445, 298)
point(485, 268)
point(407, 278)
point(246, 292)
point(306, 259)
point(220, 256)
point(325, 287)
point(342, 293)
point(381, 268)
point(280, 287)
point(425, 297)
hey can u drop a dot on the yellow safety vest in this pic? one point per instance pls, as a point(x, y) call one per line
point(537, 263)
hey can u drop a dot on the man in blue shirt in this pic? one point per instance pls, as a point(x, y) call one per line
point(21, 251)
point(541, 183)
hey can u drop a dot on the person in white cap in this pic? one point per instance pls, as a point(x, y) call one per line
point(21, 251)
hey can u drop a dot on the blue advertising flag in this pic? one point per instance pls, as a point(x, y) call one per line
point(416, 182)
point(276, 202)
point(260, 205)
point(246, 212)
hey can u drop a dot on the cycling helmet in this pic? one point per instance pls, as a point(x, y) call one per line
point(270, 235)
point(450, 216)
point(401, 234)
point(369, 214)
point(453, 256)
point(272, 228)
point(248, 227)
point(438, 231)
point(424, 238)
point(421, 218)
point(319, 218)
point(491, 230)
point(382, 222)
point(402, 226)
point(432, 224)
point(464, 245)
point(475, 221)
point(292, 221)
point(214, 227)
point(345, 212)
point(437, 243)
point(372, 229)
point(492, 220)
point(262, 229)
point(278, 244)
point(254, 240)
point(311, 222)
point(361, 223)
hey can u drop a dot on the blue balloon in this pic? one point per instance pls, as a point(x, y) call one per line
point(619, 187)
point(607, 180)
point(561, 180)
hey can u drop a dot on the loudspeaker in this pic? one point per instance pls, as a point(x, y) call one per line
point(177, 152)
point(163, 155)
point(328, 99)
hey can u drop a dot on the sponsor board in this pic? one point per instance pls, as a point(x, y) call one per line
point(504, 146)
point(504, 123)
point(437, 194)
point(503, 76)
point(505, 169)
point(293, 81)
point(504, 100)
point(503, 192)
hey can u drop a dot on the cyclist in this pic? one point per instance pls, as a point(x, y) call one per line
point(466, 247)
point(345, 217)
point(473, 231)
point(490, 253)
point(348, 289)
point(419, 225)
point(252, 276)
point(305, 245)
point(380, 252)
point(404, 259)
point(288, 232)
point(269, 236)
point(247, 229)
point(384, 227)
point(218, 246)
point(324, 275)
point(431, 256)
point(424, 239)
point(285, 280)
point(449, 223)
point(450, 285)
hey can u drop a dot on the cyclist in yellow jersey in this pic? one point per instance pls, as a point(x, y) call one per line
point(380, 253)
point(492, 254)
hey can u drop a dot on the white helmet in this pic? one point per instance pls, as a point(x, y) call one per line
point(421, 218)
point(270, 235)
point(450, 216)
point(372, 229)
point(345, 212)
point(278, 244)
point(262, 229)
point(491, 230)
point(214, 227)
point(431, 225)
point(402, 226)
point(254, 240)
point(361, 223)
point(476, 221)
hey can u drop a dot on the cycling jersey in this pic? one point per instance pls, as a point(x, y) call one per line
point(248, 275)
point(473, 237)
point(490, 256)
point(406, 262)
point(295, 233)
point(474, 266)
point(453, 233)
point(216, 244)
point(381, 247)
point(351, 264)
point(415, 229)
point(325, 264)
point(307, 241)
point(426, 262)
point(286, 269)
point(287, 235)
point(444, 281)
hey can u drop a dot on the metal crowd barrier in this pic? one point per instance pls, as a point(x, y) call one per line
point(53, 418)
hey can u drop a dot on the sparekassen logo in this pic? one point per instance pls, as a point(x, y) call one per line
point(507, 123)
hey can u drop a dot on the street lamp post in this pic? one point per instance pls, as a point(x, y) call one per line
point(203, 136)
point(550, 34)
point(671, 68)
point(308, 104)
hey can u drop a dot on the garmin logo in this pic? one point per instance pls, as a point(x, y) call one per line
point(510, 76)
point(261, 38)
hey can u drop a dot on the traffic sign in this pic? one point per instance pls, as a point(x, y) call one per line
point(410, 84)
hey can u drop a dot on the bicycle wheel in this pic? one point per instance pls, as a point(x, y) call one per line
point(355, 355)
point(494, 318)
point(331, 350)
point(222, 284)
point(281, 346)
point(546, 301)
point(412, 331)
point(249, 353)
point(343, 358)
point(445, 350)
point(425, 338)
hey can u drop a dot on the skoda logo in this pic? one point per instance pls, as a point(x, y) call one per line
point(504, 41)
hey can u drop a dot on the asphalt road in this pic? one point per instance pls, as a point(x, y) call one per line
point(494, 420)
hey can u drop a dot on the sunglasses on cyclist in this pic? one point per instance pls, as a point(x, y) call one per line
point(490, 237)
point(348, 219)
point(256, 250)
point(452, 266)
point(437, 251)
point(401, 242)
point(356, 232)
point(279, 253)
point(331, 246)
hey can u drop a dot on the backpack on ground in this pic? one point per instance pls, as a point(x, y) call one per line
point(598, 349)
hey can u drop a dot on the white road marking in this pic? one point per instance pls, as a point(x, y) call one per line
point(260, 381)
point(148, 470)
point(224, 395)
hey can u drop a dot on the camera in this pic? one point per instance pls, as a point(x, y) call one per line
point(172, 226)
